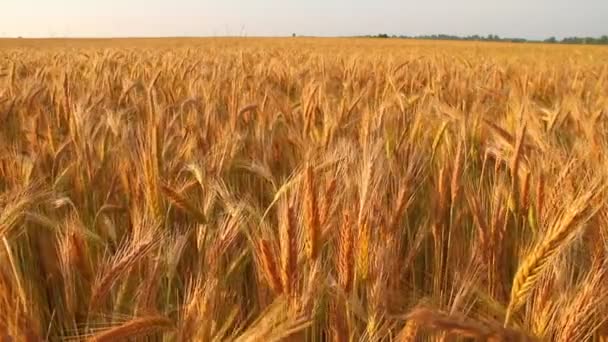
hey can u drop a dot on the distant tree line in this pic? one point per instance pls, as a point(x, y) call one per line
point(603, 40)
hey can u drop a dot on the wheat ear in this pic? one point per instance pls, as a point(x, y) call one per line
point(134, 328)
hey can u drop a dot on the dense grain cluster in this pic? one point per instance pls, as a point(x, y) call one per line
point(302, 190)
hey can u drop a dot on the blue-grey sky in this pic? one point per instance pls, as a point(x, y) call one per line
point(507, 18)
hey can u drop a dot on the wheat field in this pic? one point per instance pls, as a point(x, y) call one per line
point(302, 190)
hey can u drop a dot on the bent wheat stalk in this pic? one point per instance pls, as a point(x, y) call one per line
point(562, 234)
point(134, 328)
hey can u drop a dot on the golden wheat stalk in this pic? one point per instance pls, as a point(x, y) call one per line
point(561, 235)
point(345, 254)
point(327, 202)
point(134, 328)
point(461, 326)
point(409, 332)
point(312, 215)
point(337, 320)
point(400, 207)
point(121, 263)
point(540, 197)
point(289, 256)
point(269, 267)
point(456, 170)
point(525, 193)
point(363, 250)
point(183, 204)
point(515, 162)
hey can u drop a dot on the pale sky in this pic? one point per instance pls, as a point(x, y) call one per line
point(118, 18)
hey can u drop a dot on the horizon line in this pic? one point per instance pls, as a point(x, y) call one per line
point(389, 36)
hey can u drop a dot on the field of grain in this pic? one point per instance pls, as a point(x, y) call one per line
point(302, 190)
